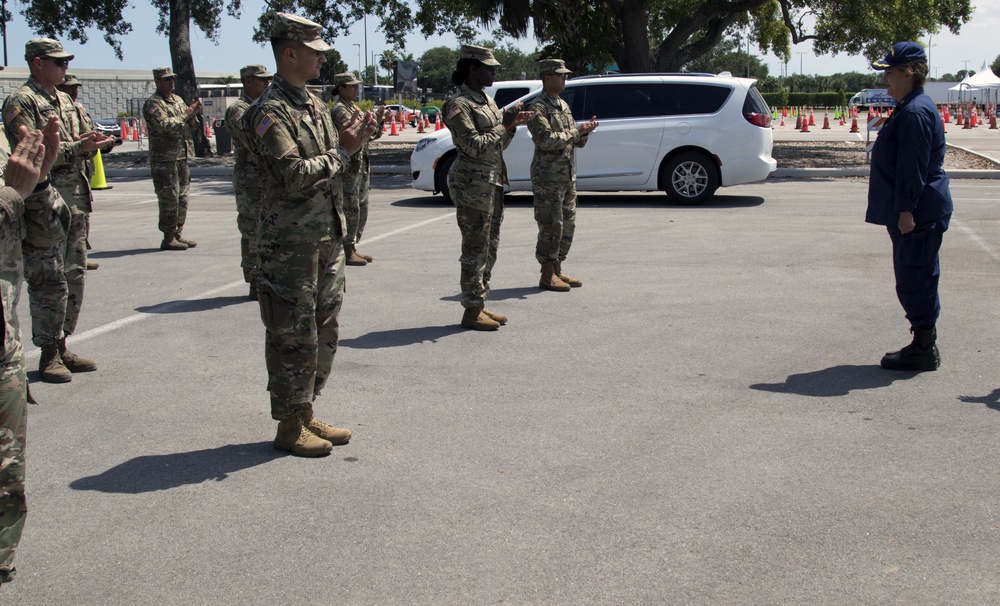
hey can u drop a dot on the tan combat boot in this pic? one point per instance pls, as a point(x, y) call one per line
point(475, 319)
point(573, 282)
point(51, 367)
point(172, 243)
point(353, 258)
point(74, 362)
point(296, 439)
point(334, 435)
point(92, 265)
point(492, 315)
point(185, 241)
point(550, 281)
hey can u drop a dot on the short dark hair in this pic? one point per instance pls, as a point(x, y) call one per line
point(919, 71)
point(278, 46)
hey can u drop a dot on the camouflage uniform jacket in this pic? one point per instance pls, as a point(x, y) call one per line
point(11, 265)
point(247, 167)
point(341, 112)
point(476, 125)
point(555, 135)
point(72, 179)
point(30, 106)
point(299, 147)
point(169, 129)
point(86, 125)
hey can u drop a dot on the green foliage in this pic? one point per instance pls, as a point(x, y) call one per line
point(728, 57)
point(995, 66)
point(334, 65)
point(665, 35)
point(436, 65)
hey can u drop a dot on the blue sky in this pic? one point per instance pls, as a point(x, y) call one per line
point(144, 49)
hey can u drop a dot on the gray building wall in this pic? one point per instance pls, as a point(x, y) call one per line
point(106, 93)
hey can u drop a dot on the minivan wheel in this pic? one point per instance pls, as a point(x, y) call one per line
point(442, 177)
point(690, 178)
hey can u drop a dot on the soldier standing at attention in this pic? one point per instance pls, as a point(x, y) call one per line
point(19, 189)
point(300, 284)
point(247, 171)
point(55, 263)
point(553, 174)
point(170, 123)
point(71, 86)
point(481, 132)
point(357, 178)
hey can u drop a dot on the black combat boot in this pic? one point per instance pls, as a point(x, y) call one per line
point(921, 354)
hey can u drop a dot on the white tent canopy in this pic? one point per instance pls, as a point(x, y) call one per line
point(984, 78)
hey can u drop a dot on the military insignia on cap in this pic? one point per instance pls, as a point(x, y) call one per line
point(13, 113)
point(264, 125)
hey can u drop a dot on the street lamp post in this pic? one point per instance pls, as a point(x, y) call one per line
point(361, 91)
point(801, 73)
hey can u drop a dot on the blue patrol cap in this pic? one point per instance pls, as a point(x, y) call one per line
point(900, 53)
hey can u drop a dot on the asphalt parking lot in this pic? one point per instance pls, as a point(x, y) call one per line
point(704, 422)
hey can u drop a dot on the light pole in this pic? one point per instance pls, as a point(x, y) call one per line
point(966, 62)
point(801, 73)
point(361, 91)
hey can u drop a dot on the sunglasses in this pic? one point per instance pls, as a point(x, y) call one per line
point(58, 62)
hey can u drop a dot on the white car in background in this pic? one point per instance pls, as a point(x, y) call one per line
point(685, 134)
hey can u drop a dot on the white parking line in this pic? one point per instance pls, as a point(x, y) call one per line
point(165, 307)
point(977, 239)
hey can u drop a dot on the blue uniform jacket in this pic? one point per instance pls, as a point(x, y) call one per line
point(906, 172)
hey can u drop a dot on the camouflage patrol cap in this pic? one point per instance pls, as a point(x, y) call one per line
point(255, 71)
point(71, 80)
point(163, 72)
point(346, 79)
point(45, 47)
point(292, 27)
point(479, 53)
point(552, 66)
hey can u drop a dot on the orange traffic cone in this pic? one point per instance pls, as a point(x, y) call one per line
point(393, 132)
point(812, 118)
point(993, 121)
point(958, 118)
point(135, 133)
point(826, 122)
point(782, 121)
point(124, 126)
point(805, 125)
point(437, 124)
point(854, 124)
point(944, 125)
point(420, 127)
point(798, 121)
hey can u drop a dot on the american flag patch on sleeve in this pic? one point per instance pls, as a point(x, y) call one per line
point(238, 115)
point(13, 113)
point(264, 125)
point(454, 112)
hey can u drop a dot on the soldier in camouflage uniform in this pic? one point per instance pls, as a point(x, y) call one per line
point(170, 122)
point(247, 171)
point(481, 132)
point(18, 178)
point(300, 284)
point(71, 86)
point(553, 174)
point(55, 268)
point(357, 178)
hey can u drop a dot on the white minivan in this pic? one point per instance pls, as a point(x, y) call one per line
point(685, 134)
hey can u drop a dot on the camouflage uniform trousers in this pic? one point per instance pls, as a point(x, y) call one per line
point(300, 289)
point(13, 429)
point(248, 201)
point(555, 213)
point(356, 188)
point(480, 241)
point(56, 277)
point(172, 182)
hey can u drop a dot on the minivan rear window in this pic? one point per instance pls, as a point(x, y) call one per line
point(607, 101)
point(684, 99)
point(506, 95)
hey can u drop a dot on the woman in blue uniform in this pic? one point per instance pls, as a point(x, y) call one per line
point(908, 193)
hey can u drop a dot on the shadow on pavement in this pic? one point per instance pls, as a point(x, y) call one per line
point(526, 200)
point(836, 381)
point(163, 472)
point(991, 400)
point(503, 294)
point(194, 305)
point(114, 254)
point(401, 337)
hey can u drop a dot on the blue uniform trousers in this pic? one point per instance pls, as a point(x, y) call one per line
point(917, 267)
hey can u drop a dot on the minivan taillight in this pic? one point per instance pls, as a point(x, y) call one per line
point(761, 120)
